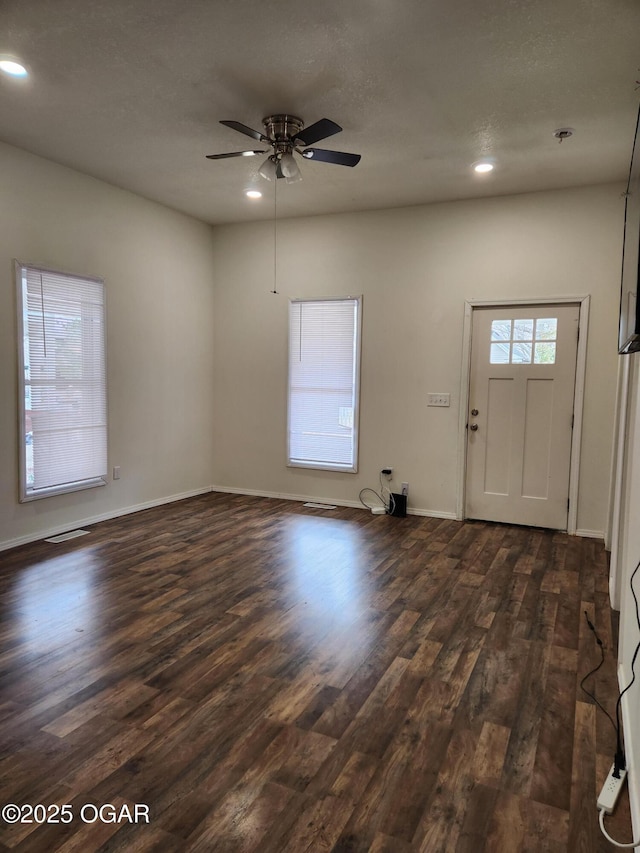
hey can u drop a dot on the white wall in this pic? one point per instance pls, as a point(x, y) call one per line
point(198, 397)
point(415, 268)
point(158, 271)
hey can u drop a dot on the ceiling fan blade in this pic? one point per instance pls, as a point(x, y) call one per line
point(242, 128)
point(317, 131)
point(340, 158)
point(233, 154)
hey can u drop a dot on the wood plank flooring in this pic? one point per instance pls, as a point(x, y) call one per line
point(268, 678)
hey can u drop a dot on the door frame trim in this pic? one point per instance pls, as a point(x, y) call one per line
point(578, 398)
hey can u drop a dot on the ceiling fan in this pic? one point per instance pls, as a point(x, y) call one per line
point(287, 136)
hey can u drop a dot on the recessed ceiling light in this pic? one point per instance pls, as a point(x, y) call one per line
point(15, 69)
point(253, 194)
point(483, 166)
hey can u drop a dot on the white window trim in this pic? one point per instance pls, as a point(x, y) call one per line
point(25, 494)
point(328, 466)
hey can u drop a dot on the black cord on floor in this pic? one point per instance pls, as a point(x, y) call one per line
point(619, 760)
point(616, 728)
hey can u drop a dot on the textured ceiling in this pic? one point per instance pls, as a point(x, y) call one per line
point(132, 92)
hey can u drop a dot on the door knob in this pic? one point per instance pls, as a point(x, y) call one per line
point(474, 412)
point(473, 427)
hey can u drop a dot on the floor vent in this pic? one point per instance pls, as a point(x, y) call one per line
point(63, 537)
point(320, 506)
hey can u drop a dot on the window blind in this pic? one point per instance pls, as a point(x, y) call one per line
point(324, 363)
point(63, 382)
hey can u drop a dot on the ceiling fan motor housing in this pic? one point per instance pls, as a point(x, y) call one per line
point(280, 128)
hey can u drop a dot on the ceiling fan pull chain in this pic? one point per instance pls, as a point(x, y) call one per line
point(275, 237)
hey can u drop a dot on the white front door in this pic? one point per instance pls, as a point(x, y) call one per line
point(521, 391)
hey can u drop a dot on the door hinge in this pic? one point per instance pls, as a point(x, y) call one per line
point(568, 502)
point(573, 417)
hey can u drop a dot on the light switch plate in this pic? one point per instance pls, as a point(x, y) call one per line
point(438, 399)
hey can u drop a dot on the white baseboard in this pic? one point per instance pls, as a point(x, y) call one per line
point(106, 516)
point(258, 493)
point(128, 510)
point(590, 534)
point(432, 513)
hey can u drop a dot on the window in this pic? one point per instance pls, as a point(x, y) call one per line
point(324, 368)
point(517, 341)
point(63, 408)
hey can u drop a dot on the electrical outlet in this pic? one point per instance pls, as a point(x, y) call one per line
point(116, 472)
point(438, 399)
point(405, 488)
point(611, 790)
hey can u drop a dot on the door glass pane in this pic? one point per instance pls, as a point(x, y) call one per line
point(545, 353)
point(500, 331)
point(499, 353)
point(523, 330)
point(519, 341)
point(547, 330)
point(521, 354)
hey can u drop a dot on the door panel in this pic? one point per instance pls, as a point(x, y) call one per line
point(522, 380)
point(537, 438)
point(498, 436)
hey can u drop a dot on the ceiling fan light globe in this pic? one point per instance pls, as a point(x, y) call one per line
point(268, 170)
point(289, 167)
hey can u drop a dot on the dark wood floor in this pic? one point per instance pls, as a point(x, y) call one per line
point(270, 678)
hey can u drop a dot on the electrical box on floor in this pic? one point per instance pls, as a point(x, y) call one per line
point(398, 505)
